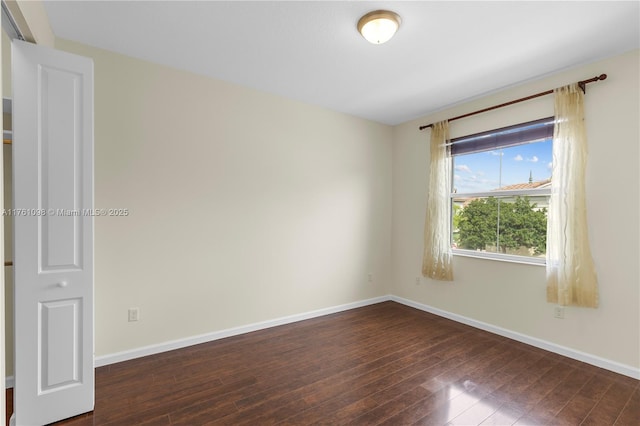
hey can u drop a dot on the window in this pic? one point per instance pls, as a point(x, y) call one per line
point(501, 190)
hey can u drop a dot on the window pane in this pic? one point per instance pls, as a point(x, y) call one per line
point(509, 225)
point(518, 167)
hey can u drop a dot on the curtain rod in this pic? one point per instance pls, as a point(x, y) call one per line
point(582, 84)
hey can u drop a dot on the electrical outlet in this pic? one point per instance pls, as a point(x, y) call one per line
point(370, 277)
point(558, 312)
point(417, 280)
point(134, 314)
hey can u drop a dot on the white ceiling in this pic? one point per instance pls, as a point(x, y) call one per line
point(443, 54)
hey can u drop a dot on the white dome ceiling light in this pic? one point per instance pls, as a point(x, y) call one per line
point(379, 26)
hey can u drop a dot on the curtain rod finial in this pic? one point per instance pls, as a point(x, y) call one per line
point(583, 84)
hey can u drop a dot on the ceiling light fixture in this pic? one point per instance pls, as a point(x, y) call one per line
point(379, 26)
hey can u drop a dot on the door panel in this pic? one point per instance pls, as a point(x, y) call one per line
point(53, 234)
point(61, 179)
point(60, 352)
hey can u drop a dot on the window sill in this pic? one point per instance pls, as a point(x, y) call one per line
point(535, 261)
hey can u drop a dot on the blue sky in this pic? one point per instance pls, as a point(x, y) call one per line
point(481, 171)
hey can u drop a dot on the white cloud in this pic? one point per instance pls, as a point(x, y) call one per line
point(534, 159)
point(550, 166)
point(463, 168)
point(456, 177)
point(518, 157)
point(496, 153)
point(474, 184)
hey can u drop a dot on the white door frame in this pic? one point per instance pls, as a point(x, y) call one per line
point(13, 30)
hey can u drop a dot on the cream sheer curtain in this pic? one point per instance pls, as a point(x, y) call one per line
point(437, 258)
point(571, 275)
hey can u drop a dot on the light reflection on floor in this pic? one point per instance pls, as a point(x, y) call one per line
point(466, 403)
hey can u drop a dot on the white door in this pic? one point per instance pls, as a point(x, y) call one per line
point(53, 234)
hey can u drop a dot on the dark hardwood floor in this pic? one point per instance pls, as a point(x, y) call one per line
point(382, 364)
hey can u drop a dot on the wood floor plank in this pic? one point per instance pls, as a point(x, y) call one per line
point(610, 406)
point(461, 399)
point(631, 411)
point(419, 410)
point(557, 399)
point(533, 395)
point(505, 415)
point(335, 399)
point(477, 413)
point(576, 410)
point(396, 398)
point(324, 386)
point(381, 364)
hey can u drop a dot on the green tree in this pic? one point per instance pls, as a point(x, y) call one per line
point(522, 224)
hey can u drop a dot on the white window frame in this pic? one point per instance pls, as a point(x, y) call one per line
point(529, 260)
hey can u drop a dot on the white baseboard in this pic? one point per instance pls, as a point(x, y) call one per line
point(616, 367)
point(203, 338)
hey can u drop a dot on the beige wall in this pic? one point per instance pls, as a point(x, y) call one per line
point(244, 206)
point(510, 295)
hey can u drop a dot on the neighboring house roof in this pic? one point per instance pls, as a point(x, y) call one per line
point(529, 185)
